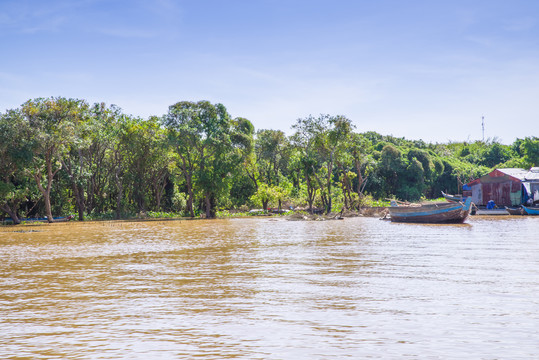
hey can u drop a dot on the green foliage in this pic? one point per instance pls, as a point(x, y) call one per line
point(495, 154)
point(263, 196)
point(369, 201)
point(64, 156)
point(529, 148)
point(164, 215)
point(210, 147)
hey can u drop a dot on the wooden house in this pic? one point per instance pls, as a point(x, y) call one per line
point(506, 187)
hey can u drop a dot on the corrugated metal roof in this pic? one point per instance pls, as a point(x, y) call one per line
point(522, 174)
point(515, 172)
point(532, 174)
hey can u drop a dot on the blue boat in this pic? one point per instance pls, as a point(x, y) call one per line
point(9, 220)
point(437, 213)
point(530, 211)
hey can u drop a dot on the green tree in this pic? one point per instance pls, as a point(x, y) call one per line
point(327, 136)
point(272, 154)
point(530, 149)
point(496, 154)
point(391, 167)
point(53, 121)
point(357, 149)
point(16, 151)
point(145, 156)
point(210, 146)
point(100, 137)
point(263, 195)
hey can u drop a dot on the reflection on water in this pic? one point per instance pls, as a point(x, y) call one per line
point(270, 289)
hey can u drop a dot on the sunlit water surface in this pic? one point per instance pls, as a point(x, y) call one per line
point(271, 289)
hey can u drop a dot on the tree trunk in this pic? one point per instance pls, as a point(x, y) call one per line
point(324, 202)
point(359, 177)
point(79, 199)
point(78, 191)
point(209, 212)
point(12, 213)
point(187, 170)
point(158, 194)
point(347, 190)
point(252, 177)
point(119, 195)
point(330, 174)
point(48, 209)
point(344, 190)
point(191, 196)
point(46, 192)
point(310, 194)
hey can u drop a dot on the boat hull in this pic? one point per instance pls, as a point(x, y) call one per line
point(490, 212)
point(44, 219)
point(443, 213)
point(530, 211)
point(453, 198)
point(514, 211)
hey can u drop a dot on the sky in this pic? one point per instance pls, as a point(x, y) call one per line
point(426, 70)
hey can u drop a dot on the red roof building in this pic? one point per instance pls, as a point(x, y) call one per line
point(506, 187)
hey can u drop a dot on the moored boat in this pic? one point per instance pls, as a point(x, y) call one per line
point(40, 219)
point(438, 213)
point(530, 211)
point(453, 198)
point(483, 211)
point(515, 211)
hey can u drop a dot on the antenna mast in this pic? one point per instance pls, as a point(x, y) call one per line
point(483, 126)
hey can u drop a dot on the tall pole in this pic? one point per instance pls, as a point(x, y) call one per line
point(483, 126)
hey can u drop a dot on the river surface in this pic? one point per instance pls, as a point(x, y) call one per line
point(267, 288)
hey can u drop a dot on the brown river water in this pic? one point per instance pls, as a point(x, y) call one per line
point(267, 288)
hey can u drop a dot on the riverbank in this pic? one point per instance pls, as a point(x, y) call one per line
point(289, 215)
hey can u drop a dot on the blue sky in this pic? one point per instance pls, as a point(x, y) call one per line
point(416, 69)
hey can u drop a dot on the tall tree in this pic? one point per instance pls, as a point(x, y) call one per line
point(15, 154)
point(103, 136)
point(53, 121)
point(530, 148)
point(272, 154)
point(209, 145)
point(146, 159)
point(329, 136)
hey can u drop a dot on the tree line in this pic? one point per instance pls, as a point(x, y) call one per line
point(61, 156)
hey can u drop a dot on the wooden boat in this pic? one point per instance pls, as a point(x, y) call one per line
point(453, 198)
point(483, 211)
point(515, 211)
point(41, 219)
point(437, 213)
point(530, 211)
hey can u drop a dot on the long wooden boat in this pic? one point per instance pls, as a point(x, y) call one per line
point(515, 211)
point(437, 213)
point(453, 198)
point(41, 219)
point(530, 211)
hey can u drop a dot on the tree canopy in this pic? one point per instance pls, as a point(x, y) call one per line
point(61, 156)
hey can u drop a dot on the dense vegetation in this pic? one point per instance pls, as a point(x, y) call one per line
point(61, 156)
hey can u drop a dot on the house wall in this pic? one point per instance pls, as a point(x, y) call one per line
point(502, 193)
point(477, 194)
point(503, 189)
